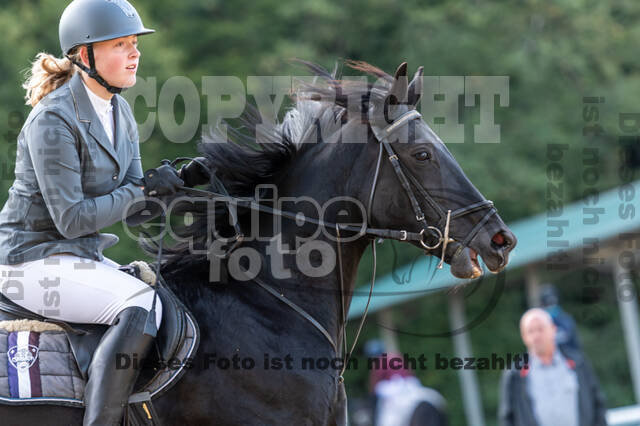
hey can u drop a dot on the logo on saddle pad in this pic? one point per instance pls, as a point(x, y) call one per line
point(125, 6)
point(22, 358)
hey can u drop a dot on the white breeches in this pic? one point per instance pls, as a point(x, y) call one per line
point(75, 289)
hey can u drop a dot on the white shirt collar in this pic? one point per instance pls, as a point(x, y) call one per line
point(102, 106)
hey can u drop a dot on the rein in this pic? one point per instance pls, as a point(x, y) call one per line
point(250, 203)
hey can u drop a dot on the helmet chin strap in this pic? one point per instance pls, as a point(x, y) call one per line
point(93, 73)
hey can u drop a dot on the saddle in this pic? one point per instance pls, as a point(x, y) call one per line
point(176, 343)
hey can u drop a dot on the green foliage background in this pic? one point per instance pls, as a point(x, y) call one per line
point(555, 52)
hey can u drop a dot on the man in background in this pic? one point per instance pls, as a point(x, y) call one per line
point(556, 387)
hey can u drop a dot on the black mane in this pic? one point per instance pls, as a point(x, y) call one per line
point(243, 158)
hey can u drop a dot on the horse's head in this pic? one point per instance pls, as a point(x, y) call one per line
point(418, 186)
point(409, 184)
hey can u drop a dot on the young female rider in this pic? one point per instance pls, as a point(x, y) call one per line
point(78, 169)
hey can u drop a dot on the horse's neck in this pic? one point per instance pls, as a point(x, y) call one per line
point(320, 176)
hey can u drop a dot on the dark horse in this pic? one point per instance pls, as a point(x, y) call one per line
point(250, 367)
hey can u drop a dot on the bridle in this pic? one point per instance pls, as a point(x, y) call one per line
point(439, 231)
point(442, 236)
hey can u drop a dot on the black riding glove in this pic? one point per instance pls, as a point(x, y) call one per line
point(194, 173)
point(163, 180)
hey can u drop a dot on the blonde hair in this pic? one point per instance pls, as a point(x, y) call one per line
point(47, 73)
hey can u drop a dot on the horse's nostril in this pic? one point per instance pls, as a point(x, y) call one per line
point(500, 240)
point(504, 240)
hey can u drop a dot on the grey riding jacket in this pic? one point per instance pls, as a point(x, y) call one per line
point(70, 180)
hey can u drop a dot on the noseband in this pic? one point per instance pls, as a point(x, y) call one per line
point(439, 232)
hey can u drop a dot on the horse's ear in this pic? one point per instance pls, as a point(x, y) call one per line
point(400, 85)
point(415, 87)
point(401, 71)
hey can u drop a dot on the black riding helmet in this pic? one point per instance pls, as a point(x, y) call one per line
point(90, 21)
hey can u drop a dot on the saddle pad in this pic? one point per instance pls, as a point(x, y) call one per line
point(37, 365)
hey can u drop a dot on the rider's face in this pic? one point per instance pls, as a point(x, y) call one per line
point(117, 60)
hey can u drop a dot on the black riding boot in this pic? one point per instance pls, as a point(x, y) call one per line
point(108, 387)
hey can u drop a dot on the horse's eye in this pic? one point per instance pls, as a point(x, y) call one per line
point(422, 156)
